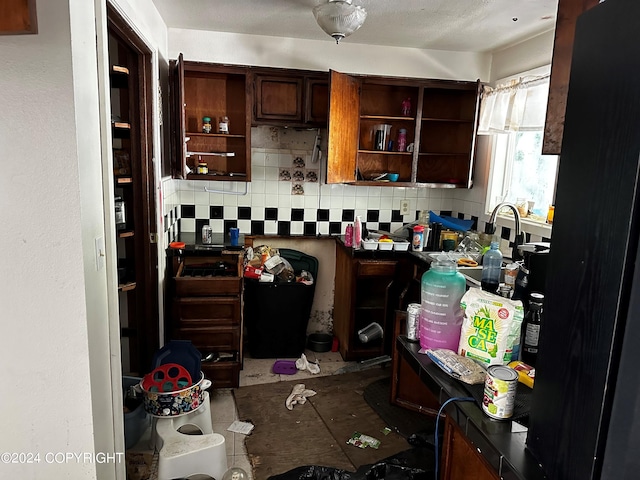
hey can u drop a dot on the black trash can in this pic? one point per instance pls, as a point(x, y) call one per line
point(277, 314)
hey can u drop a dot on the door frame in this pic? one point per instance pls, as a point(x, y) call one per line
point(146, 253)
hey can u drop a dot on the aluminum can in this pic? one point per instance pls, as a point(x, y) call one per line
point(500, 392)
point(207, 235)
point(413, 319)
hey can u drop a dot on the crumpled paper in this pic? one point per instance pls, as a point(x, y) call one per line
point(299, 394)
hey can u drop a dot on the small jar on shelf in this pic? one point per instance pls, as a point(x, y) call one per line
point(206, 124)
point(202, 169)
point(223, 126)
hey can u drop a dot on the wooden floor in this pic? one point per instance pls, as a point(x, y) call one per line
point(316, 432)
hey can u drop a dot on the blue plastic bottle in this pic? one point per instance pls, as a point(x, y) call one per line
point(491, 265)
point(440, 313)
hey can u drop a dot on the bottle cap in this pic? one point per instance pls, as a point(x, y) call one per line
point(418, 228)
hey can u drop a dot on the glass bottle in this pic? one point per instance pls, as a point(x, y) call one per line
point(491, 265)
point(531, 329)
point(223, 126)
point(206, 124)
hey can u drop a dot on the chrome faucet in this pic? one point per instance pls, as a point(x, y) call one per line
point(515, 254)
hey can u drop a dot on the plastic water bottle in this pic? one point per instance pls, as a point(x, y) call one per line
point(440, 313)
point(491, 265)
point(357, 232)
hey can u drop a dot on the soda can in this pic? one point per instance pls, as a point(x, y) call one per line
point(207, 235)
point(413, 319)
point(500, 392)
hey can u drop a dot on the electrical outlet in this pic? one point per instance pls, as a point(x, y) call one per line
point(404, 207)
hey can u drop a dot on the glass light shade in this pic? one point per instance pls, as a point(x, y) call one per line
point(339, 18)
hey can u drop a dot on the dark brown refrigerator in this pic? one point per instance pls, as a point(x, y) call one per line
point(585, 415)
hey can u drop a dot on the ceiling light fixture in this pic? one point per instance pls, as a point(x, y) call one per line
point(339, 18)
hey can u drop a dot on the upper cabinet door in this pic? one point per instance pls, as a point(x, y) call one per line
point(316, 105)
point(344, 117)
point(278, 98)
point(179, 133)
point(288, 97)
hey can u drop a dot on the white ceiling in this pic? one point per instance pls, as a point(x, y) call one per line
point(459, 25)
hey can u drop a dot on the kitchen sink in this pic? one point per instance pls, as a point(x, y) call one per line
point(473, 275)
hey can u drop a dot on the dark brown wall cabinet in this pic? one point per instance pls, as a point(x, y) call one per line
point(215, 91)
point(441, 126)
point(290, 97)
point(17, 17)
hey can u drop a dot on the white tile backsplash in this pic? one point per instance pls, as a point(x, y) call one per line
point(276, 148)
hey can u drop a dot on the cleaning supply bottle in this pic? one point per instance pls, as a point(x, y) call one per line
point(491, 265)
point(440, 312)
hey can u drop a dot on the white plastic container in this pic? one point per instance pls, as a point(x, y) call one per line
point(401, 246)
point(370, 244)
point(385, 245)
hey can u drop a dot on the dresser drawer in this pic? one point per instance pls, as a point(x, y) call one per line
point(206, 311)
point(210, 339)
point(375, 268)
point(204, 286)
point(223, 374)
point(203, 276)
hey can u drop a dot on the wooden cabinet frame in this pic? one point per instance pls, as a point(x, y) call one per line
point(289, 97)
point(205, 89)
point(442, 127)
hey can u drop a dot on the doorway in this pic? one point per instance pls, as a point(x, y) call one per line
point(130, 74)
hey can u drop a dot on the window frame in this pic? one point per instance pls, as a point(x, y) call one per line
point(501, 169)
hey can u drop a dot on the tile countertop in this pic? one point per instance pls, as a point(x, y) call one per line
point(500, 442)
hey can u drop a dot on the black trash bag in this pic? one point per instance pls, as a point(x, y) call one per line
point(314, 472)
point(413, 464)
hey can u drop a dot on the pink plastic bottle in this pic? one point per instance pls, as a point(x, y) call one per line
point(440, 313)
point(348, 236)
point(357, 232)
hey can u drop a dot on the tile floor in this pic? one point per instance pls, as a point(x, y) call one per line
point(223, 407)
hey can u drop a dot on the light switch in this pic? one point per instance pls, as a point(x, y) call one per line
point(100, 253)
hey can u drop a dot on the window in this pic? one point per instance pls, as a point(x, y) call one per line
point(514, 114)
point(520, 171)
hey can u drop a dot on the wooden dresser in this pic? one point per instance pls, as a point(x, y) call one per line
point(206, 308)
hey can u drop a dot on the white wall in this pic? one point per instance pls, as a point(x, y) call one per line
point(281, 52)
point(47, 400)
point(56, 304)
point(527, 55)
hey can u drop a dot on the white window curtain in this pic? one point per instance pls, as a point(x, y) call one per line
point(519, 106)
